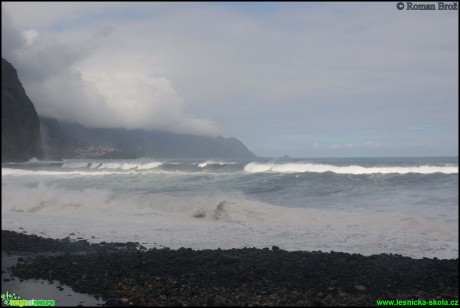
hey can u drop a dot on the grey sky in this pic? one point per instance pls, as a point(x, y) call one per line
point(303, 79)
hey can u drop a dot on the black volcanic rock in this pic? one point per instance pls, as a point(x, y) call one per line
point(69, 136)
point(21, 139)
point(128, 274)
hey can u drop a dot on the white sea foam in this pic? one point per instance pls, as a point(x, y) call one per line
point(25, 172)
point(253, 167)
point(91, 172)
point(95, 165)
point(111, 165)
point(353, 169)
point(114, 165)
point(225, 221)
point(151, 165)
point(163, 204)
point(214, 162)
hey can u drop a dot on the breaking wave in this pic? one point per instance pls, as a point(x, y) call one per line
point(353, 169)
point(111, 165)
point(144, 166)
point(203, 222)
point(211, 162)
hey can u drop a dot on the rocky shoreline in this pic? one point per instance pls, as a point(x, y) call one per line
point(125, 274)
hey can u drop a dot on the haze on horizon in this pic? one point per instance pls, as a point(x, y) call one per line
point(305, 79)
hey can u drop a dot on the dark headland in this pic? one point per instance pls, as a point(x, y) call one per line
point(125, 274)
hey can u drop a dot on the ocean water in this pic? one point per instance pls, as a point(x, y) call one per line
point(406, 206)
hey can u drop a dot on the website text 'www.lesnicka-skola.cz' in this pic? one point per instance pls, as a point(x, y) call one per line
point(417, 302)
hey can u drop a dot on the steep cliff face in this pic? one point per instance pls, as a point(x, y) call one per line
point(20, 125)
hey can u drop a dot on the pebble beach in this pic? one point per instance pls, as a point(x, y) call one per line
point(128, 274)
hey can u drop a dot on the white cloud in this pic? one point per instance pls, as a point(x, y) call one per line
point(137, 101)
point(30, 36)
point(49, 72)
point(11, 37)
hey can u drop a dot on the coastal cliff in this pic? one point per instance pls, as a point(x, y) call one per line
point(21, 138)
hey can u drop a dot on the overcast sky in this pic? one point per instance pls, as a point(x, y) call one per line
point(302, 79)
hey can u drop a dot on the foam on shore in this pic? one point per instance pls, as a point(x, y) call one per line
point(203, 222)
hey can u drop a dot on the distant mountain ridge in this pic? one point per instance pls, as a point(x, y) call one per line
point(57, 145)
point(141, 143)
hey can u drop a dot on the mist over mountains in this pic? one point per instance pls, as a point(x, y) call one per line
point(26, 135)
point(76, 141)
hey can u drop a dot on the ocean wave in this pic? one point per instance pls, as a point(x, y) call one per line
point(103, 203)
point(75, 165)
point(214, 162)
point(203, 221)
point(220, 166)
point(90, 172)
point(112, 165)
point(25, 172)
point(352, 169)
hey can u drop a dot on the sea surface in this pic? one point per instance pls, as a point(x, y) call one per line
point(406, 206)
